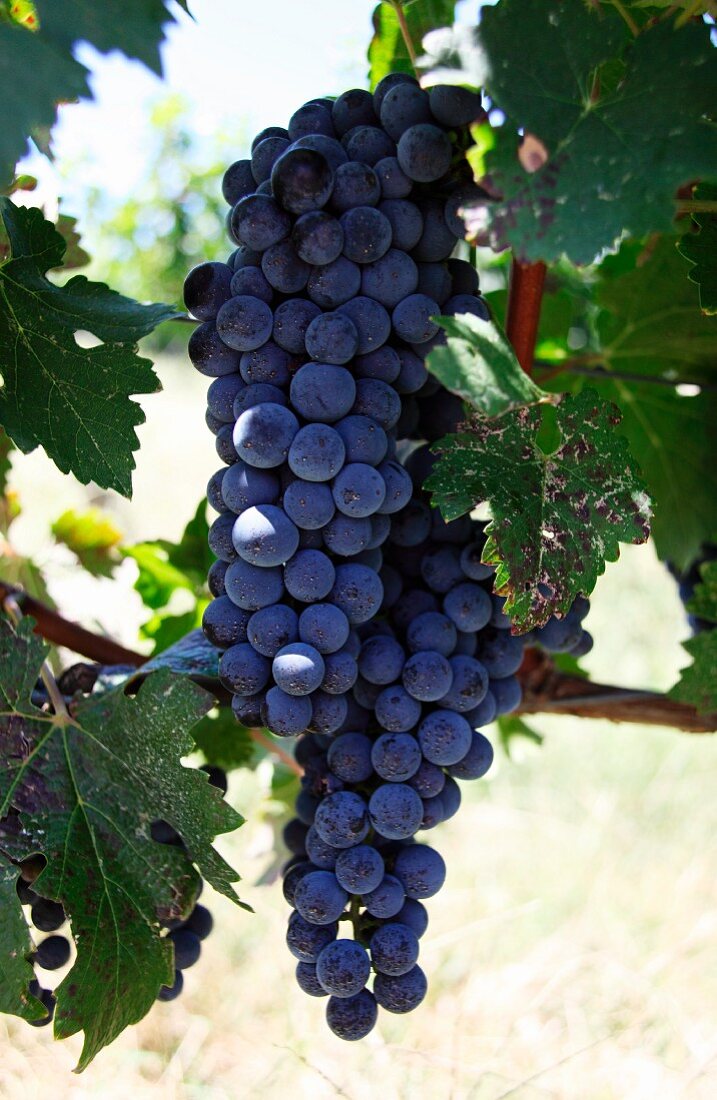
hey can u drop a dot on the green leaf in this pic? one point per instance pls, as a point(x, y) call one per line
point(642, 320)
point(35, 75)
point(704, 599)
point(556, 518)
point(223, 740)
point(136, 27)
point(165, 566)
point(616, 150)
point(512, 729)
point(158, 579)
point(83, 792)
point(701, 250)
point(698, 682)
point(387, 51)
point(648, 320)
point(16, 971)
point(92, 537)
point(167, 630)
point(478, 363)
point(71, 400)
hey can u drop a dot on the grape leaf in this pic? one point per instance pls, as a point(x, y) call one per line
point(83, 792)
point(92, 537)
point(387, 52)
point(557, 518)
point(136, 27)
point(223, 740)
point(34, 77)
point(16, 971)
point(648, 320)
point(192, 655)
point(701, 250)
point(647, 324)
point(513, 729)
point(166, 630)
point(165, 566)
point(704, 599)
point(478, 363)
point(71, 400)
point(75, 255)
point(622, 121)
point(5, 460)
point(698, 682)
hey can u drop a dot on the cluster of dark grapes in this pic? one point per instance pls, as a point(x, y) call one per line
point(186, 935)
point(348, 612)
point(48, 916)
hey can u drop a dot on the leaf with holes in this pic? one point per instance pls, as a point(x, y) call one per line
point(478, 363)
point(73, 401)
point(83, 790)
point(556, 518)
point(387, 52)
point(700, 248)
point(624, 121)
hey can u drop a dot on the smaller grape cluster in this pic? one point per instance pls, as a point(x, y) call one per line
point(186, 935)
point(46, 916)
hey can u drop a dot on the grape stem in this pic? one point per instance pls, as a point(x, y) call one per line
point(14, 612)
point(397, 6)
point(546, 690)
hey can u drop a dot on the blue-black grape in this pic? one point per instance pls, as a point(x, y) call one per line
point(301, 180)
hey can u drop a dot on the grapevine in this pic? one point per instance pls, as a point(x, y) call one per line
point(459, 350)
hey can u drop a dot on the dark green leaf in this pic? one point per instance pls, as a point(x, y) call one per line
point(92, 537)
point(5, 460)
point(556, 518)
point(698, 682)
point(613, 152)
point(701, 250)
point(387, 52)
point(478, 363)
point(73, 401)
point(136, 27)
point(649, 322)
point(223, 740)
point(16, 971)
point(192, 554)
point(83, 792)
point(704, 599)
point(35, 75)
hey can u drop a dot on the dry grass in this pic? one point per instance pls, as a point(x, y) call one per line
point(572, 953)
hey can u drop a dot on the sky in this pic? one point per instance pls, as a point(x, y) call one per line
point(240, 64)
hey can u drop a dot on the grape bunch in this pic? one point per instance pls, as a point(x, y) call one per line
point(347, 612)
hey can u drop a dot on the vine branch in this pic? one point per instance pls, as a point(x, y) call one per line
point(582, 365)
point(525, 295)
point(546, 690)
